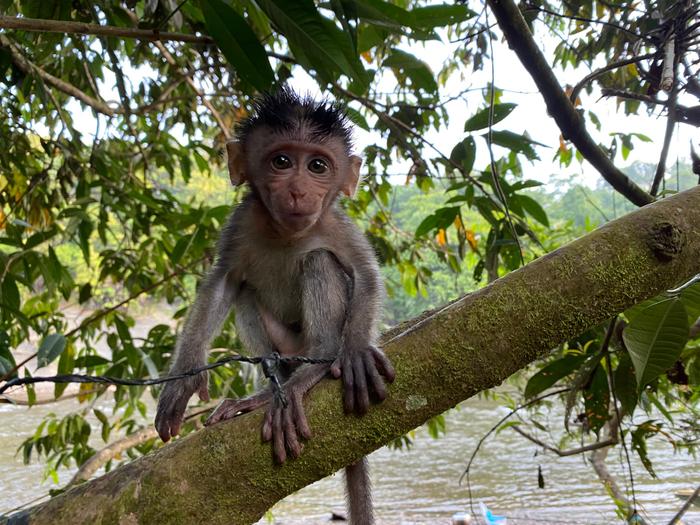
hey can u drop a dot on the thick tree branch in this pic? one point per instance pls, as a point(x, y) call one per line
point(224, 474)
point(520, 39)
point(81, 28)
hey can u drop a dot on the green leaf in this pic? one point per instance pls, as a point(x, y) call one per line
point(7, 360)
point(481, 119)
point(597, 399)
point(515, 142)
point(238, 43)
point(418, 71)
point(533, 207)
point(51, 347)
point(10, 293)
point(552, 373)
point(464, 154)
point(357, 118)
point(691, 300)
point(655, 339)
point(314, 40)
point(626, 385)
point(84, 231)
point(65, 366)
point(441, 15)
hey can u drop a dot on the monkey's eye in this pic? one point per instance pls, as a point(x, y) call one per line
point(318, 166)
point(281, 162)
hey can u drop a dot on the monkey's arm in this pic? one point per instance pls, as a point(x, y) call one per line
point(360, 363)
point(209, 311)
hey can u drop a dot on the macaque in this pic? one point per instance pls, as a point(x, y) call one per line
point(300, 276)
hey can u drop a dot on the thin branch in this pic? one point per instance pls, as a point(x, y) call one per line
point(188, 78)
point(29, 68)
point(621, 93)
point(598, 72)
point(589, 21)
point(81, 28)
point(573, 127)
point(564, 453)
point(685, 507)
point(670, 124)
point(109, 452)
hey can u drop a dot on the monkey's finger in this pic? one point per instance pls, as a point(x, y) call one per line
point(361, 393)
point(278, 449)
point(177, 415)
point(384, 365)
point(290, 433)
point(162, 427)
point(348, 390)
point(374, 379)
point(300, 416)
point(203, 392)
point(267, 426)
point(337, 368)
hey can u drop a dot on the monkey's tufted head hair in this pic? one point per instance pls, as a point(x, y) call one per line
point(285, 112)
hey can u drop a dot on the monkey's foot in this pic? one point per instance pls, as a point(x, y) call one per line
point(286, 426)
point(363, 371)
point(230, 408)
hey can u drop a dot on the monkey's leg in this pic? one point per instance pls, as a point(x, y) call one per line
point(250, 322)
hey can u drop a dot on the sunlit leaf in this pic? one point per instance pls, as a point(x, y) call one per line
point(655, 338)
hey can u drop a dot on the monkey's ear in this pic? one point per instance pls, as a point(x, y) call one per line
point(350, 186)
point(236, 163)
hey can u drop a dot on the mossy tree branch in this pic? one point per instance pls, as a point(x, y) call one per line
point(224, 474)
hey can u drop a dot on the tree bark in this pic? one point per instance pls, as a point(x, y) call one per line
point(224, 474)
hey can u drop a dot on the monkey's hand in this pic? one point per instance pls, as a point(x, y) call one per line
point(173, 401)
point(362, 370)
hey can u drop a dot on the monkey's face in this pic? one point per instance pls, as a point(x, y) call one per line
point(298, 180)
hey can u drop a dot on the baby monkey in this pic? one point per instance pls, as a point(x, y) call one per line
point(300, 276)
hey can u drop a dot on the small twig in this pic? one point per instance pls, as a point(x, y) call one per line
point(107, 453)
point(598, 72)
point(564, 453)
point(533, 401)
point(188, 78)
point(668, 75)
point(59, 26)
point(670, 124)
point(685, 507)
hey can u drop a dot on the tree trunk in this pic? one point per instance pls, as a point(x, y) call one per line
point(224, 474)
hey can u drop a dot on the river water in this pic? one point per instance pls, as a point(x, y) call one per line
point(421, 485)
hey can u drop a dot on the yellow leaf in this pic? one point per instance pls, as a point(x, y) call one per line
point(471, 239)
point(458, 223)
point(441, 237)
point(3, 218)
point(367, 56)
point(562, 144)
point(84, 392)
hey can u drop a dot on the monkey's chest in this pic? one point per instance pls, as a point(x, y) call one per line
point(277, 281)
